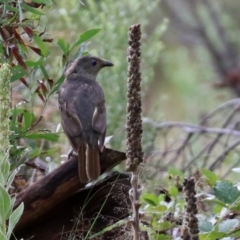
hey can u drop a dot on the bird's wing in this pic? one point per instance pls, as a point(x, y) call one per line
point(99, 123)
point(99, 117)
point(70, 121)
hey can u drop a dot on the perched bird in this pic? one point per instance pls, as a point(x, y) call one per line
point(82, 106)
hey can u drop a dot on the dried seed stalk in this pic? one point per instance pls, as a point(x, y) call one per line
point(134, 124)
point(190, 224)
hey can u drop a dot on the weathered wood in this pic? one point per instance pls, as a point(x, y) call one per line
point(106, 202)
point(57, 186)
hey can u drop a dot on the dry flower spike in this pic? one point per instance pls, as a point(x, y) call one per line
point(134, 107)
point(134, 151)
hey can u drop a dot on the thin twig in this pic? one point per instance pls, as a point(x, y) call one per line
point(180, 149)
point(236, 164)
point(40, 116)
point(223, 106)
point(224, 154)
point(215, 141)
point(193, 128)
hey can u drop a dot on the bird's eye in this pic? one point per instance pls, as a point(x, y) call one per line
point(94, 62)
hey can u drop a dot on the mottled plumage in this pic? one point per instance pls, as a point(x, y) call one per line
point(82, 106)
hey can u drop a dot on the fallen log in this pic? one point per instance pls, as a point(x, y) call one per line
point(56, 187)
point(86, 212)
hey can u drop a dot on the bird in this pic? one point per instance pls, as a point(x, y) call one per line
point(83, 113)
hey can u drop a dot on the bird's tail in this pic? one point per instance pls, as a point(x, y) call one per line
point(93, 163)
point(82, 163)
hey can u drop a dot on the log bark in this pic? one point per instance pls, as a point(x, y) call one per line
point(56, 187)
point(86, 212)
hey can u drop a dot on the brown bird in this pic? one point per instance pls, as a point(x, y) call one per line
point(82, 106)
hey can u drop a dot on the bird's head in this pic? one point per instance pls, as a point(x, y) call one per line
point(88, 66)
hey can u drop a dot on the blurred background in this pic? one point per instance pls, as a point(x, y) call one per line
point(190, 66)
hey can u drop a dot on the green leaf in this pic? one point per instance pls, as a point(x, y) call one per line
point(49, 152)
point(41, 45)
point(151, 199)
point(64, 46)
point(173, 191)
point(174, 172)
point(28, 119)
point(228, 225)
point(14, 218)
point(35, 152)
point(2, 235)
point(48, 136)
point(163, 237)
point(11, 178)
point(1, 48)
point(57, 85)
point(20, 160)
point(217, 205)
point(17, 151)
point(4, 167)
point(31, 9)
point(17, 73)
point(161, 197)
point(212, 235)
point(211, 177)
point(17, 76)
point(7, 21)
point(204, 225)
point(33, 63)
point(5, 203)
point(86, 36)
point(46, 2)
point(15, 112)
point(12, 9)
point(163, 226)
point(22, 49)
point(43, 69)
point(159, 209)
point(226, 192)
point(32, 143)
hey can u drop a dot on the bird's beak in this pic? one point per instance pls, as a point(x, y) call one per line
point(106, 63)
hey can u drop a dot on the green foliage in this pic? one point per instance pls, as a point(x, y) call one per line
point(68, 48)
point(217, 213)
point(26, 51)
point(211, 177)
point(151, 199)
point(13, 219)
point(29, 56)
point(6, 178)
point(226, 192)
